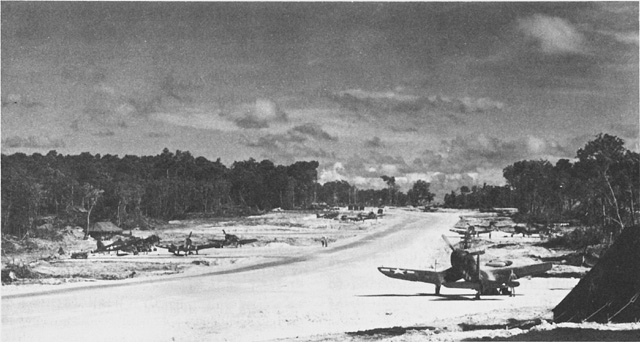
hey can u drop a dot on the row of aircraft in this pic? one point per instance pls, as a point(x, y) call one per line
point(476, 230)
point(136, 245)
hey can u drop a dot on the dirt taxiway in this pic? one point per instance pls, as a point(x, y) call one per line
point(286, 293)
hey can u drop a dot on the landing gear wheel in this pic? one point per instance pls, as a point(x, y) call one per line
point(479, 291)
point(438, 289)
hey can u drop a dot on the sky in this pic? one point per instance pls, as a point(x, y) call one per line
point(449, 93)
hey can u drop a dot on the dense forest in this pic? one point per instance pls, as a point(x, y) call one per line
point(600, 189)
point(79, 189)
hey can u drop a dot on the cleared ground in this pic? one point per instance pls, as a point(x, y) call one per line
point(274, 290)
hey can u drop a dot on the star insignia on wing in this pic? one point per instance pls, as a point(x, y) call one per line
point(398, 271)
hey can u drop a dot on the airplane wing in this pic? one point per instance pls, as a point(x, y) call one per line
point(211, 244)
point(413, 275)
point(503, 274)
point(246, 241)
point(114, 247)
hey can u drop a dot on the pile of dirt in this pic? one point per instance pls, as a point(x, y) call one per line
point(13, 274)
point(610, 291)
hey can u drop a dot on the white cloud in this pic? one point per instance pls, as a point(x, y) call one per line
point(256, 115)
point(265, 109)
point(389, 169)
point(629, 38)
point(196, 119)
point(555, 35)
point(482, 104)
point(331, 174)
point(535, 145)
point(378, 95)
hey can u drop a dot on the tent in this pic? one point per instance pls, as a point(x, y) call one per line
point(103, 228)
point(610, 291)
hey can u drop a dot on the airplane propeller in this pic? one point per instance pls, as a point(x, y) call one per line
point(448, 242)
point(470, 251)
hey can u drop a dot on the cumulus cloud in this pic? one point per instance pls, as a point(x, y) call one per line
point(441, 183)
point(32, 142)
point(254, 116)
point(402, 102)
point(554, 35)
point(358, 99)
point(268, 110)
point(314, 131)
point(294, 141)
point(466, 104)
point(366, 171)
point(339, 172)
point(624, 37)
point(627, 37)
point(286, 149)
point(331, 173)
point(470, 154)
point(375, 164)
point(294, 144)
point(257, 115)
point(196, 118)
point(110, 106)
point(378, 95)
point(125, 94)
point(276, 141)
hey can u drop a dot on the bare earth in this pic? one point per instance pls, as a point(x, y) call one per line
point(287, 287)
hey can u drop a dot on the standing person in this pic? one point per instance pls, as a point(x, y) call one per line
point(512, 278)
point(187, 244)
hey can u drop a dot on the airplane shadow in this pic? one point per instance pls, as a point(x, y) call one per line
point(470, 297)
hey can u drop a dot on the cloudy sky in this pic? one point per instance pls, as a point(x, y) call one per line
point(446, 92)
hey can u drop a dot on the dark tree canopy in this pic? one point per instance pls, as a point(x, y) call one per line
point(600, 189)
point(84, 188)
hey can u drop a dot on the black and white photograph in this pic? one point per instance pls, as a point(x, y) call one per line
point(320, 171)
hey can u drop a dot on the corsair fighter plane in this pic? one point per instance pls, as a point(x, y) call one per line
point(465, 273)
point(476, 230)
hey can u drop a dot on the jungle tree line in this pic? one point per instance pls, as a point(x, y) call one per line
point(601, 188)
point(131, 189)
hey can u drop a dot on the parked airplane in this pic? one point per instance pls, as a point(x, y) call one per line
point(465, 265)
point(188, 247)
point(132, 245)
point(231, 240)
point(531, 229)
point(475, 230)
